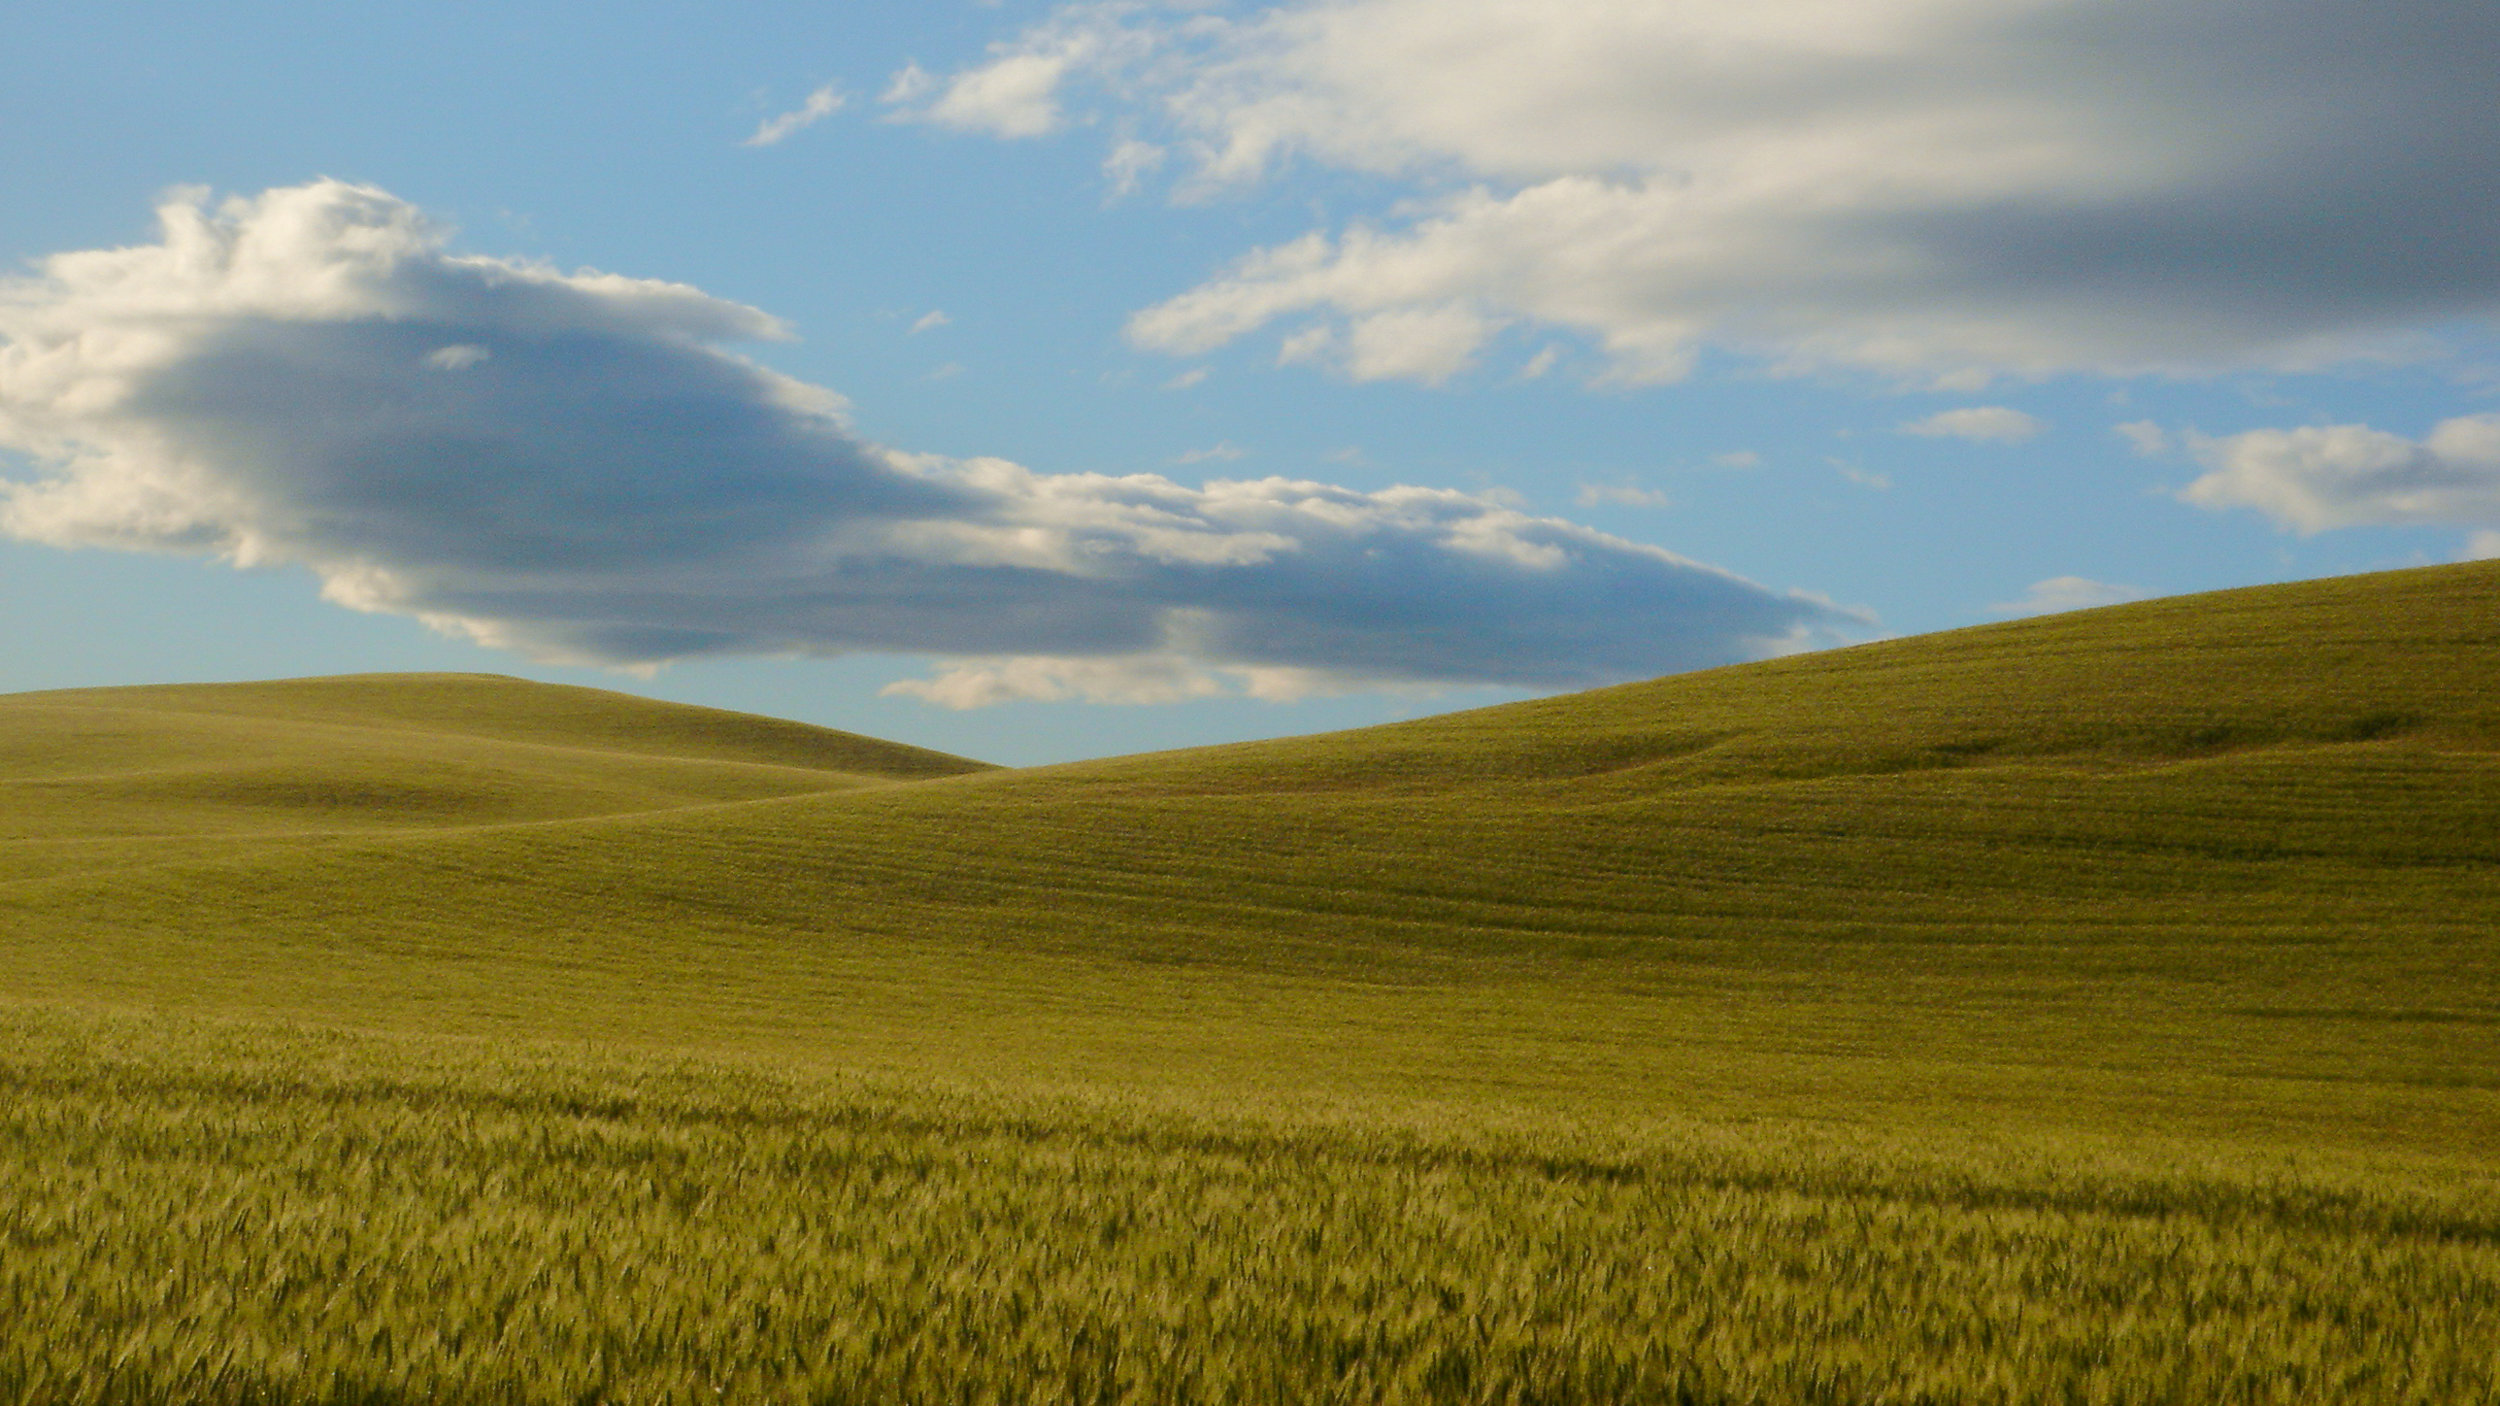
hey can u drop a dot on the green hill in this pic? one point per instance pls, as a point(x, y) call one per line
point(2248, 840)
point(109, 779)
point(494, 707)
point(2097, 1008)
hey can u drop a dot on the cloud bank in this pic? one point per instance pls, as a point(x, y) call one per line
point(2320, 477)
point(572, 465)
point(1946, 190)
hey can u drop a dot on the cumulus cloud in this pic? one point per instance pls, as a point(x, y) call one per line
point(2063, 593)
point(2321, 477)
point(1016, 93)
point(821, 104)
point(1980, 424)
point(1945, 190)
point(577, 466)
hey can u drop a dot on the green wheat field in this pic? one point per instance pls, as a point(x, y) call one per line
point(2100, 1008)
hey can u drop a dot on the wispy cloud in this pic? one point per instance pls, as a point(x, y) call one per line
point(1980, 424)
point(1622, 495)
point(602, 480)
point(457, 358)
point(1129, 163)
point(2064, 593)
point(821, 104)
point(2144, 437)
point(1213, 454)
point(928, 321)
point(1017, 93)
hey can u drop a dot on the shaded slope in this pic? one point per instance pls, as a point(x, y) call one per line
point(2237, 855)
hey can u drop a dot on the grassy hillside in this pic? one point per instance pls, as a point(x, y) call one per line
point(491, 706)
point(104, 780)
point(2103, 1007)
point(2247, 842)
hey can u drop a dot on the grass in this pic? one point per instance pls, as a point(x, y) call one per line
point(2103, 1007)
point(302, 1217)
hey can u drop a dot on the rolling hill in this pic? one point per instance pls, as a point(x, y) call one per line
point(2232, 858)
point(107, 779)
point(2102, 1008)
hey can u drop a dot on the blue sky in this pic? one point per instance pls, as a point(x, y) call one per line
point(1041, 381)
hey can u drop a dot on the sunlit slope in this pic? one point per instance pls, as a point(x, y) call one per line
point(518, 710)
point(2238, 854)
point(107, 778)
point(2394, 656)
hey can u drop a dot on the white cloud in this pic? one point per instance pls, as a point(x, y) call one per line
point(1011, 98)
point(1863, 478)
point(1186, 379)
point(1309, 344)
point(928, 321)
point(1627, 495)
point(1143, 679)
point(982, 683)
point(604, 482)
point(2144, 437)
point(1016, 93)
point(459, 358)
point(2063, 593)
point(1980, 424)
point(821, 104)
point(2320, 477)
point(1737, 459)
point(910, 84)
point(1947, 190)
point(2482, 546)
point(1130, 162)
point(1428, 344)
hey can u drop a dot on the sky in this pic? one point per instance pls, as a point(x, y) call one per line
point(1040, 381)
